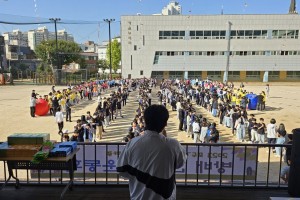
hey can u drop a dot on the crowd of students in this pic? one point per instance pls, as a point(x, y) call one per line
point(226, 103)
point(144, 99)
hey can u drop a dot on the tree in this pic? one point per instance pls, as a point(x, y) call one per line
point(116, 54)
point(43, 67)
point(102, 64)
point(23, 67)
point(81, 61)
point(67, 52)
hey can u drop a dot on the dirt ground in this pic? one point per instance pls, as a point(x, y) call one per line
point(282, 104)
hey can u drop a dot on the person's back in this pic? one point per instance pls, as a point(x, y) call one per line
point(149, 161)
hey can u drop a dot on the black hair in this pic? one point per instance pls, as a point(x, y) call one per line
point(156, 117)
point(273, 121)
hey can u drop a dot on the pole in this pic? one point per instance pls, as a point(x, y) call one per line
point(110, 58)
point(110, 50)
point(225, 78)
point(54, 20)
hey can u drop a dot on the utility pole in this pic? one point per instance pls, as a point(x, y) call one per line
point(110, 50)
point(226, 74)
point(292, 9)
point(55, 20)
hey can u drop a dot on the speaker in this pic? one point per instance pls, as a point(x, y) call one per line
point(294, 175)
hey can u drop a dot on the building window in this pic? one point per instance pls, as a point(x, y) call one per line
point(252, 74)
point(175, 74)
point(234, 73)
point(157, 74)
point(195, 74)
point(167, 35)
point(248, 34)
point(143, 40)
point(135, 47)
point(141, 72)
point(273, 74)
point(285, 34)
point(293, 74)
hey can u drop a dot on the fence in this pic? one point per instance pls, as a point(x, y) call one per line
point(213, 165)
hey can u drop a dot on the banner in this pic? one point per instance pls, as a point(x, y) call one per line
point(201, 161)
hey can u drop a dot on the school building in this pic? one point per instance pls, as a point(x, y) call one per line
point(218, 47)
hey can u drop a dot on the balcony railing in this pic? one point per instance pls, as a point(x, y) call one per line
point(221, 165)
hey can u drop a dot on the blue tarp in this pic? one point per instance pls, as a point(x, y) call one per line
point(252, 101)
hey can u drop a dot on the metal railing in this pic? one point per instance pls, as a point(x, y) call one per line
point(221, 165)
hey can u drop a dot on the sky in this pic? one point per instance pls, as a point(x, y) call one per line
point(97, 10)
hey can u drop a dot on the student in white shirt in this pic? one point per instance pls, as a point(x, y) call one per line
point(59, 118)
point(150, 161)
point(196, 130)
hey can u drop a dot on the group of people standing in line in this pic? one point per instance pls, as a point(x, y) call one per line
point(60, 104)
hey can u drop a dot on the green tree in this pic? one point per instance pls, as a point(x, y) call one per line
point(43, 67)
point(102, 64)
point(23, 67)
point(116, 54)
point(67, 52)
point(81, 61)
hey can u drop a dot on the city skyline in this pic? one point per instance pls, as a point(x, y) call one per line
point(96, 11)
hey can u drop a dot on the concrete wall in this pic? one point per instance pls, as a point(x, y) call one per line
point(140, 41)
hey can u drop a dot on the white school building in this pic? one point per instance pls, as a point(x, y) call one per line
point(248, 47)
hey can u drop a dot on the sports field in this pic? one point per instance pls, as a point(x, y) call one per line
point(283, 105)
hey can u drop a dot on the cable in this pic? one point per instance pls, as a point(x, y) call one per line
point(25, 20)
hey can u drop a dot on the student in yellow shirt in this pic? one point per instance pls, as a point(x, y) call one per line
point(62, 103)
point(238, 100)
point(233, 100)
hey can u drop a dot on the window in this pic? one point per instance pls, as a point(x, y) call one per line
point(143, 40)
point(233, 34)
point(167, 33)
point(222, 34)
point(273, 74)
point(214, 73)
point(210, 53)
point(215, 34)
point(199, 33)
point(233, 73)
point(281, 34)
point(157, 74)
point(163, 35)
point(175, 74)
point(240, 34)
point(141, 72)
point(194, 74)
point(135, 47)
point(207, 34)
point(252, 74)
point(248, 34)
point(257, 34)
point(293, 74)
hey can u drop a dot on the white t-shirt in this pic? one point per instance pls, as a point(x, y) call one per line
point(271, 131)
point(59, 117)
point(196, 127)
point(151, 168)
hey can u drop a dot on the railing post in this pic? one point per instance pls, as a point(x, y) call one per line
point(294, 175)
